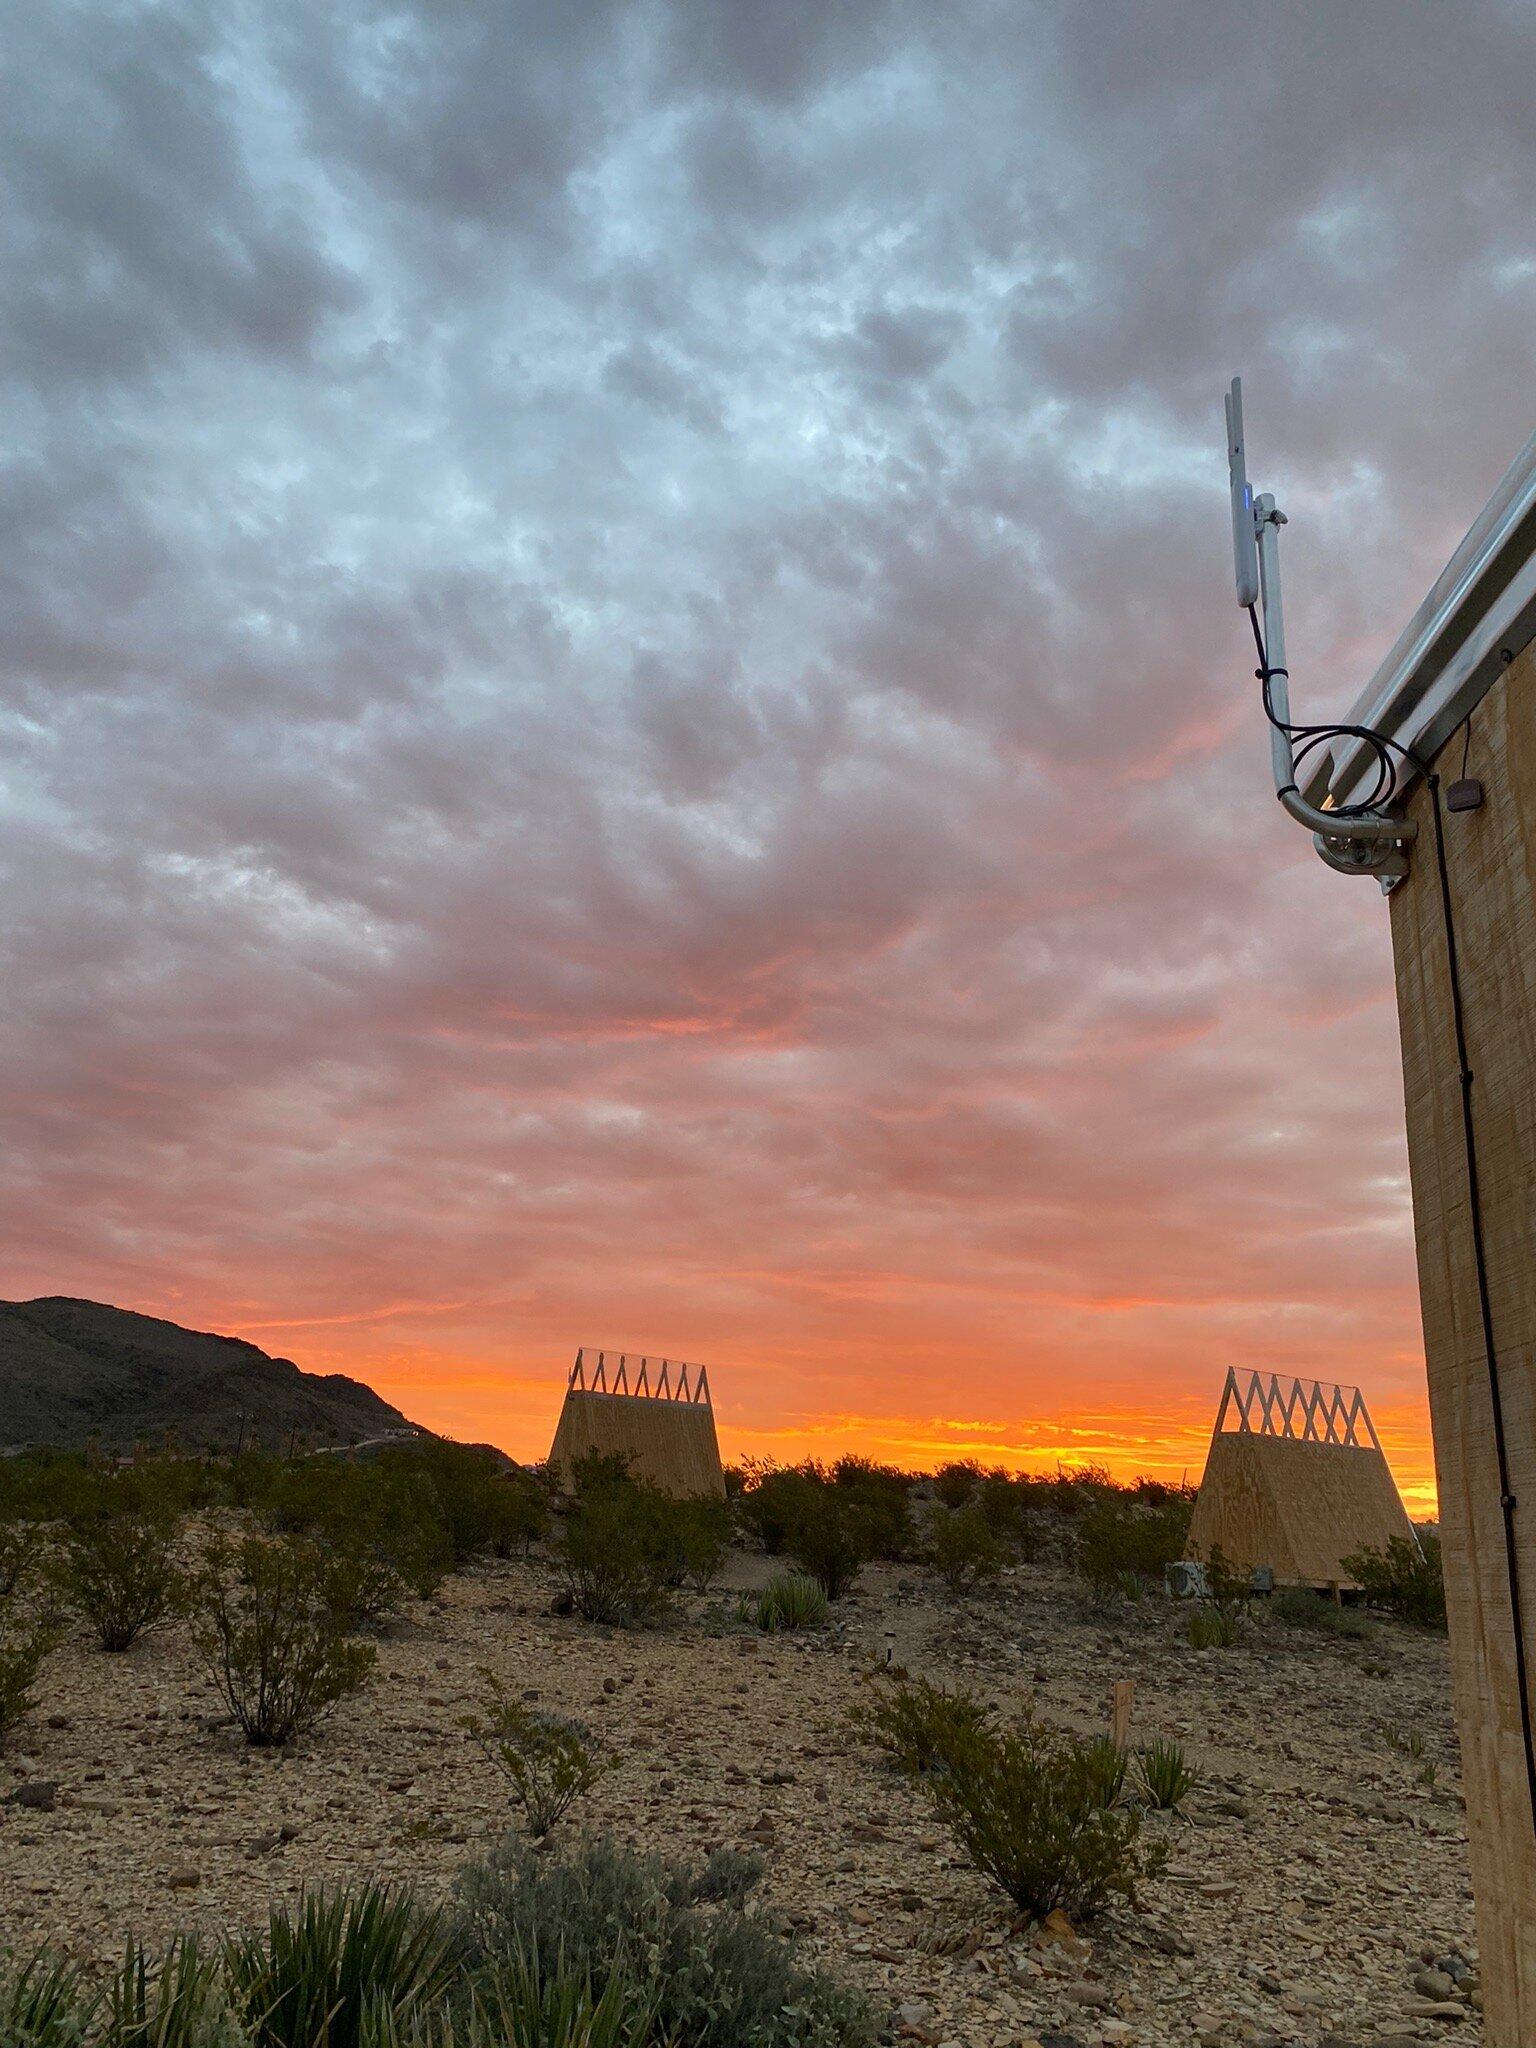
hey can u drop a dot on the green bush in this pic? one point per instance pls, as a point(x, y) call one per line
point(264, 1616)
point(788, 1601)
point(1299, 1608)
point(616, 1550)
point(768, 1505)
point(965, 1550)
point(713, 1975)
point(548, 1760)
point(703, 1539)
point(29, 1632)
point(485, 1511)
point(829, 1538)
point(119, 1572)
point(1124, 1548)
point(881, 1495)
point(1405, 1579)
point(1028, 1806)
point(920, 1726)
point(1167, 1777)
point(325, 1974)
point(957, 1482)
point(21, 1551)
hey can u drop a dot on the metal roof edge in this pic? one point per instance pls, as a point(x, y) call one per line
point(1479, 614)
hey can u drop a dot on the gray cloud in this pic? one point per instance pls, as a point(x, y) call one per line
point(619, 680)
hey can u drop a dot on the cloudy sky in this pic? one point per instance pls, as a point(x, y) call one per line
point(621, 717)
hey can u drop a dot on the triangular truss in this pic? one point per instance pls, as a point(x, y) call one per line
point(1302, 1411)
point(646, 1379)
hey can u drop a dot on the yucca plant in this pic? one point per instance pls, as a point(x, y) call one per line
point(789, 1601)
point(1211, 1628)
point(1107, 1764)
point(177, 2002)
point(330, 1973)
point(44, 2003)
point(1167, 1776)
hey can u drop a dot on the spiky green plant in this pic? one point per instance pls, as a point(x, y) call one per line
point(44, 2003)
point(1167, 1777)
point(177, 2002)
point(325, 1972)
point(790, 1600)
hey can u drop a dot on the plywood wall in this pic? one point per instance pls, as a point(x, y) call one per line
point(1491, 856)
point(1299, 1508)
point(670, 1443)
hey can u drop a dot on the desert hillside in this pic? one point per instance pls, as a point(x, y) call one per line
point(72, 1369)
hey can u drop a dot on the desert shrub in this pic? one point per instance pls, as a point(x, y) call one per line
point(956, 1482)
point(1299, 1608)
point(768, 1505)
point(1405, 1579)
point(881, 1493)
point(324, 1974)
point(789, 1601)
point(715, 1976)
point(264, 1616)
point(485, 1511)
point(727, 1877)
point(119, 1572)
point(1167, 1777)
point(703, 1539)
point(548, 1760)
point(383, 1519)
point(1123, 1548)
point(965, 1550)
point(21, 1551)
point(29, 1632)
point(616, 1556)
point(920, 1726)
point(1027, 1805)
point(829, 1538)
point(1107, 1767)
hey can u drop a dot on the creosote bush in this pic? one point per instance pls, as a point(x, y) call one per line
point(921, 1726)
point(618, 1558)
point(965, 1550)
point(548, 1760)
point(1035, 1810)
point(1124, 1547)
point(265, 1617)
point(789, 1601)
point(956, 1483)
point(829, 1538)
point(1298, 1607)
point(1404, 1579)
point(119, 1572)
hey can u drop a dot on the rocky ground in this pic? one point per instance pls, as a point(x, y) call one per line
point(1316, 1890)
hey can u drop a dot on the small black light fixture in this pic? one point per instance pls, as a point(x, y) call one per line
point(1465, 794)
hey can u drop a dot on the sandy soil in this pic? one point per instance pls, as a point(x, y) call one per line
point(1314, 1878)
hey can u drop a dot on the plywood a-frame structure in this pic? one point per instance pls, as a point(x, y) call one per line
point(1295, 1481)
point(654, 1412)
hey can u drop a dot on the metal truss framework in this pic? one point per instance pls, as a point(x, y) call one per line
point(1303, 1411)
point(646, 1379)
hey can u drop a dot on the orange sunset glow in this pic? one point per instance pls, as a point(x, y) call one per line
point(624, 720)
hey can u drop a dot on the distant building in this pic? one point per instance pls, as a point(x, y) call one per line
point(654, 1412)
point(1295, 1483)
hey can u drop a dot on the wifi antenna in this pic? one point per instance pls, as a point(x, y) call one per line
point(1245, 552)
point(1365, 841)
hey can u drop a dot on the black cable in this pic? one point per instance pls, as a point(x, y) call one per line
point(1384, 790)
point(1484, 1303)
